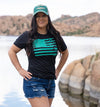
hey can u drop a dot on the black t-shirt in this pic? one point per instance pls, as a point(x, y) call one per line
point(42, 60)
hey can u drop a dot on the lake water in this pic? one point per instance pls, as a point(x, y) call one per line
point(11, 93)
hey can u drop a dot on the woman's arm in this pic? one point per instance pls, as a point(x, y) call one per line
point(64, 56)
point(14, 59)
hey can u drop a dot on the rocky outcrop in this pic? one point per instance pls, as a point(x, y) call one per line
point(14, 25)
point(87, 25)
point(82, 78)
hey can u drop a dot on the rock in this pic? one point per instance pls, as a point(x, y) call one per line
point(66, 98)
point(97, 56)
point(72, 101)
point(82, 77)
point(92, 60)
point(88, 72)
point(64, 78)
point(76, 82)
point(86, 62)
point(99, 103)
point(14, 25)
point(87, 88)
point(95, 82)
point(86, 103)
point(76, 102)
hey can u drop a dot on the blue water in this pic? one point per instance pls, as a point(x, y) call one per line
point(11, 92)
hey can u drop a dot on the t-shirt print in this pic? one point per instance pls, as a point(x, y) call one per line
point(43, 47)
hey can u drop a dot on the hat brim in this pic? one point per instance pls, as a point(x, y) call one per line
point(40, 11)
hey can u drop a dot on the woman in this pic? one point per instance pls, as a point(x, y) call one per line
point(42, 44)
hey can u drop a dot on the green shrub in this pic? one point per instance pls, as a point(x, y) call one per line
point(79, 31)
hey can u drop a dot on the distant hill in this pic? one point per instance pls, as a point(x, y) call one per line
point(14, 25)
point(86, 25)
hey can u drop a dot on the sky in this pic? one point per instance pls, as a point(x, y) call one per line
point(56, 7)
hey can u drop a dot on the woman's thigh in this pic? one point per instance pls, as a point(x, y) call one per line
point(39, 101)
point(50, 101)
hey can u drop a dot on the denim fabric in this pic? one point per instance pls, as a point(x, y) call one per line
point(37, 87)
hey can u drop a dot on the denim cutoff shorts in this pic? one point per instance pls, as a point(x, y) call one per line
point(37, 87)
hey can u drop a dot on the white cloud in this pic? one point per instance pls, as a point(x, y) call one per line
point(56, 7)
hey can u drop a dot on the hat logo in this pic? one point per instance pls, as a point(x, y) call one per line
point(40, 8)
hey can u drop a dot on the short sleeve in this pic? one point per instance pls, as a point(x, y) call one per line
point(21, 41)
point(63, 45)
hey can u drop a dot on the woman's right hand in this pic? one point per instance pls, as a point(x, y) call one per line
point(25, 74)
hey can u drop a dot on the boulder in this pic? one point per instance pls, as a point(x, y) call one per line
point(76, 102)
point(95, 82)
point(72, 101)
point(99, 103)
point(87, 88)
point(82, 77)
point(64, 78)
point(76, 82)
point(86, 62)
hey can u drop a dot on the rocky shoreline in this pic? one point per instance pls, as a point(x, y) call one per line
point(82, 78)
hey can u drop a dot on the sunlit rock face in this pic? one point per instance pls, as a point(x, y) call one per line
point(76, 82)
point(82, 78)
point(95, 81)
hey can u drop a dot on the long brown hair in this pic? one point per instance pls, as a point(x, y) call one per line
point(50, 29)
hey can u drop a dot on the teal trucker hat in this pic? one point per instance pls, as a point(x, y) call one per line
point(41, 8)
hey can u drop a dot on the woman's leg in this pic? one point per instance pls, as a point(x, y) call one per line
point(50, 101)
point(39, 102)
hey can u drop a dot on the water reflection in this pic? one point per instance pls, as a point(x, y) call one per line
point(76, 101)
point(14, 100)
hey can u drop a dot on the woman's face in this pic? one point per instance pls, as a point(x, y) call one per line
point(41, 20)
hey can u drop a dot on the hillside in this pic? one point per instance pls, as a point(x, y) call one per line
point(86, 25)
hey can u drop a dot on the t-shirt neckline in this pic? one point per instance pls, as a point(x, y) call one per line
point(42, 34)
